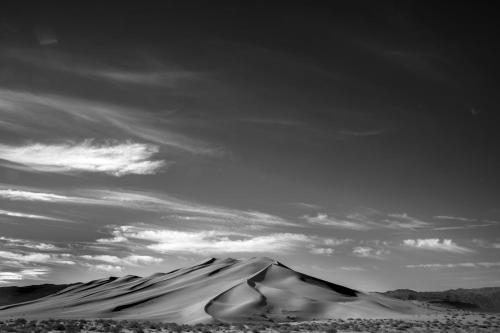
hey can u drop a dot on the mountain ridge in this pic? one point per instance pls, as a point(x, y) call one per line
point(475, 299)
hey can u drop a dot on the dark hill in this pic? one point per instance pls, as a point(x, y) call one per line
point(480, 299)
point(11, 295)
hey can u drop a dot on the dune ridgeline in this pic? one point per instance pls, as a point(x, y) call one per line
point(229, 290)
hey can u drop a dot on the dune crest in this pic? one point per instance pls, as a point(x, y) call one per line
point(232, 290)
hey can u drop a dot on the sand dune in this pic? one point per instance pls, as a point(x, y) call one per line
point(223, 289)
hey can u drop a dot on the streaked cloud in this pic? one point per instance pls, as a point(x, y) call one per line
point(322, 250)
point(370, 252)
point(352, 268)
point(37, 257)
point(457, 265)
point(404, 221)
point(28, 273)
point(22, 195)
point(436, 244)
point(116, 239)
point(324, 219)
point(142, 71)
point(27, 216)
point(454, 218)
point(17, 242)
point(131, 260)
point(182, 210)
point(464, 227)
point(337, 241)
point(486, 244)
point(46, 36)
point(306, 205)
point(103, 268)
point(39, 112)
point(117, 159)
point(463, 223)
point(366, 221)
point(199, 242)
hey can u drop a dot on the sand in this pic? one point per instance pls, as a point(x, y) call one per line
point(228, 290)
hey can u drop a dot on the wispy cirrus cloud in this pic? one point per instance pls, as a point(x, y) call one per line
point(21, 194)
point(137, 71)
point(337, 241)
point(24, 274)
point(37, 257)
point(352, 268)
point(454, 218)
point(326, 220)
point(103, 268)
point(117, 159)
point(131, 260)
point(486, 244)
point(404, 221)
point(76, 117)
point(464, 227)
point(457, 265)
point(182, 210)
point(27, 215)
point(463, 223)
point(199, 242)
point(370, 252)
point(374, 220)
point(17, 242)
point(322, 250)
point(435, 244)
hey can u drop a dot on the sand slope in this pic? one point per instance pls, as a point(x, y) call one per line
point(224, 289)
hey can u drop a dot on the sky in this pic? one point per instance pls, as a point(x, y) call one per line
point(358, 143)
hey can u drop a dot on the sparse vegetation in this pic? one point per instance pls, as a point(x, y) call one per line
point(458, 322)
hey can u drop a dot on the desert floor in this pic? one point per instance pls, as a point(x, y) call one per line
point(450, 321)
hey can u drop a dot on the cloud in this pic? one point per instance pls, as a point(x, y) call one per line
point(324, 219)
point(486, 244)
point(462, 227)
point(306, 205)
point(41, 113)
point(373, 220)
point(37, 257)
point(336, 241)
point(22, 195)
point(404, 221)
point(116, 239)
point(435, 244)
point(46, 36)
point(147, 78)
point(27, 216)
point(369, 252)
point(141, 72)
point(117, 159)
point(28, 273)
point(131, 260)
point(467, 223)
point(454, 218)
point(104, 268)
point(352, 268)
point(28, 244)
point(201, 242)
point(181, 210)
point(457, 265)
point(322, 250)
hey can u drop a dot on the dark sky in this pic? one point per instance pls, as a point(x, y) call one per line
point(358, 142)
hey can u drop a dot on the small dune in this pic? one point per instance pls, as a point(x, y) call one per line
point(228, 290)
